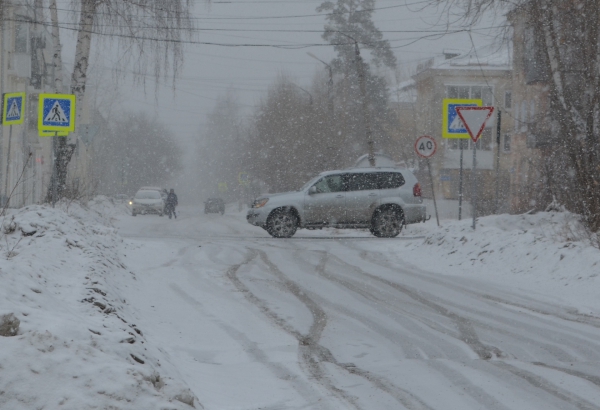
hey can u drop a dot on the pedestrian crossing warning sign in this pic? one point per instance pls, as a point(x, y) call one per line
point(452, 126)
point(56, 112)
point(12, 110)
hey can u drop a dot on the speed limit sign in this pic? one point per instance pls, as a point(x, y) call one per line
point(425, 146)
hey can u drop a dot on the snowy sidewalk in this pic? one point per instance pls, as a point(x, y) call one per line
point(78, 346)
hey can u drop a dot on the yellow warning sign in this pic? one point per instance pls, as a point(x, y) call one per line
point(452, 126)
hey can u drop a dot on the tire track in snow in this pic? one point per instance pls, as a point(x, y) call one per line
point(543, 384)
point(467, 333)
point(310, 352)
point(253, 350)
point(570, 315)
point(313, 353)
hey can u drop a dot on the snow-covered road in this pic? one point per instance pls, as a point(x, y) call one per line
point(334, 320)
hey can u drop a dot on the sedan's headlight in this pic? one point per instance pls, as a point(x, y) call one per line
point(259, 203)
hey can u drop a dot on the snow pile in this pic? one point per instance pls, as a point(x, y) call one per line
point(547, 252)
point(108, 207)
point(77, 345)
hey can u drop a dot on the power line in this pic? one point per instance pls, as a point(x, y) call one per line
point(269, 17)
point(280, 46)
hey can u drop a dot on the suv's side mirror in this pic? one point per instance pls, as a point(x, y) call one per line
point(312, 190)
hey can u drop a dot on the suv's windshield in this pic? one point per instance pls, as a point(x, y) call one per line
point(147, 195)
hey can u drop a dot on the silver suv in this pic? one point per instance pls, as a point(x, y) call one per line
point(381, 199)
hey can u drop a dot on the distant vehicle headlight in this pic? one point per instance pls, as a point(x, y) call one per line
point(259, 203)
point(130, 202)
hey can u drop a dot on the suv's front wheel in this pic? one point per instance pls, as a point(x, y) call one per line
point(387, 223)
point(282, 224)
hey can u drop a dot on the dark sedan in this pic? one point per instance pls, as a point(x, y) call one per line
point(214, 205)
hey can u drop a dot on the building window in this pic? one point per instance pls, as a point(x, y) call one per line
point(453, 143)
point(506, 143)
point(516, 118)
point(524, 118)
point(508, 100)
point(473, 92)
point(21, 37)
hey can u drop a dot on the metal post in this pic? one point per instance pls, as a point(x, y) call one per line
point(460, 180)
point(2, 84)
point(6, 190)
point(55, 148)
point(498, 138)
point(474, 185)
point(433, 192)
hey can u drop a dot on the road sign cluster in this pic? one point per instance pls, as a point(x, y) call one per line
point(56, 113)
point(464, 118)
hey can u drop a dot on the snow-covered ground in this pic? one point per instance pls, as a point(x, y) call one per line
point(151, 313)
point(78, 345)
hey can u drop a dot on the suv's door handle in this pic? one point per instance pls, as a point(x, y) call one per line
point(372, 194)
point(339, 196)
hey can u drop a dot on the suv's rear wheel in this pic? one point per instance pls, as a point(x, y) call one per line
point(282, 224)
point(387, 223)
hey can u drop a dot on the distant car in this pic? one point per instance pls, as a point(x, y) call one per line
point(379, 199)
point(214, 205)
point(147, 201)
point(163, 191)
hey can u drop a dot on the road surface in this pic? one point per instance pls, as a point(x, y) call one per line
point(324, 320)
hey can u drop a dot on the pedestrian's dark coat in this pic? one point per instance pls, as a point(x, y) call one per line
point(172, 199)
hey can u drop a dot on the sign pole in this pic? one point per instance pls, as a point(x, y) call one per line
point(54, 165)
point(433, 192)
point(6, 189)
point(498, 137)
point(460, 180)
point(474, 120)
point(425, 147)
point(474, 184)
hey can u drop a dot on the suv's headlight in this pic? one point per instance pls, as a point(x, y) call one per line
point(259, 203)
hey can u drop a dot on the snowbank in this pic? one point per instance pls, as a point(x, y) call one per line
point(546, 253)
point(77, 346)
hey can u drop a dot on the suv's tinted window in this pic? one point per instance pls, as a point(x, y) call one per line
point(330, 183)
point(362, 181)
point(390, 180)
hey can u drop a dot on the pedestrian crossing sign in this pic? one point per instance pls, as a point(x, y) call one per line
point(56, 112)
point(452, 126)
point(12, 110)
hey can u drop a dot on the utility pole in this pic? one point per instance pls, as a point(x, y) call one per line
point(329, 83)
point(365, 103)
point(331, 155)
point(3, 193)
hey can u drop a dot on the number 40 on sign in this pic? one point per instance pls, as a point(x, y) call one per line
point(425, 146)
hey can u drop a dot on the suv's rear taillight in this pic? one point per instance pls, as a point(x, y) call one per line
point(417, 189)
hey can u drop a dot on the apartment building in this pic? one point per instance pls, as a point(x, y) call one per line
point(484, 74)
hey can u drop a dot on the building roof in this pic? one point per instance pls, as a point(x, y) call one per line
point(490, 57)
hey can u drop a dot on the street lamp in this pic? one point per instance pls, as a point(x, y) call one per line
point(310, 97)
point(329, 83)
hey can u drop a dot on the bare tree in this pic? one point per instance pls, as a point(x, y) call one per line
point(135, 150)
point(148, 34)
